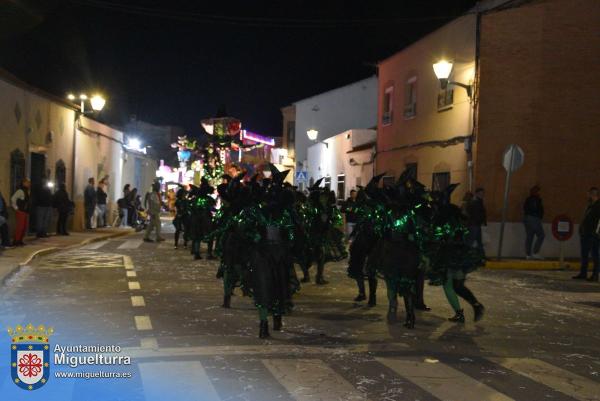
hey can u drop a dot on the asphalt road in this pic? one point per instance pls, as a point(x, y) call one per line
point(539, 339)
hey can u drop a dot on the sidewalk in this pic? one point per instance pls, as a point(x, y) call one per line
point(12, 259)
point(522, 264)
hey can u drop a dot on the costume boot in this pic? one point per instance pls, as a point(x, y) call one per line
point(459, 317)
point(361, 290)
point(478, 309)
point(391, 315)
point(277, 323)
point(226, 301)
point(409, 306)
point(306, 277)
point(264, 329)
point(319, 279)
point(372, 292)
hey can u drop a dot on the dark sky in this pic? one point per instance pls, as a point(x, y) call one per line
point(174, 62)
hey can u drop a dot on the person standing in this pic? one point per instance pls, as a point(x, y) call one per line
point(20, 201)
point(533, 210)
point(588, 233)
point(4, 237)
point(101, 196)
point(64, 206)
point(89, 201)
point(43, 209)
point(349, 210)
point(153, 204)
point(476, 218)
point(122, 203)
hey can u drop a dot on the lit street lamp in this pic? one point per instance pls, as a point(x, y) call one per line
point(96, 101)
point(442, 70)
point(312, 134)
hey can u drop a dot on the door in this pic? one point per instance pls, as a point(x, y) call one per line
point(38, 171)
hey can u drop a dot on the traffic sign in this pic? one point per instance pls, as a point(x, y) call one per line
point(562, 227)
point(513, 158)
point(301, 176)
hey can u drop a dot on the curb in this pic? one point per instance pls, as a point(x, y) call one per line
point(50, 250)
point(529, 265)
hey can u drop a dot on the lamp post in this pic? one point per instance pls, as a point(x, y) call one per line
point(313, 134)
point(442, 70)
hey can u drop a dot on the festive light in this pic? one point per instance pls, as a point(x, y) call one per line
point(258, 138)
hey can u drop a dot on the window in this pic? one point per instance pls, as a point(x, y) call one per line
point(412, 170)
point(60, 173)
point(327, 182)
point(410, 98)
point(341, 187)
point(388, 102)
point(17, 170)
point(388, 181)
point(440, 181)
point(445, 99)
point(291, 131)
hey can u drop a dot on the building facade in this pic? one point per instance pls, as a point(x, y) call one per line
point(519, 58)
point(44, 137)
point(344, 161)
point(352, 106)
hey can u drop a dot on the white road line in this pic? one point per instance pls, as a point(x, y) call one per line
point(443, 381)
point(165, 245)
point(130, 244)
point(131, 273)
point(137, 300)
point(134, 285)
point(149, 342)
point(559, 379)
point(312, 379)
point(95, 245)
point(143, 323)
point(181, 381)
point(271, 349)
point(127, 262)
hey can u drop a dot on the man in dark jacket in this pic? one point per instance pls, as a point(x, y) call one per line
point(89, 202)
point(64, 206)
point(477, 217)
point(348, 209)
point(588, 233)
point(43, 209)
point(533, 209)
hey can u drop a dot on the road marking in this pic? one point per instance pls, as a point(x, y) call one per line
point(443, 381)
point(130, 244)
point(554, 377)
point(181, 381)
point(95, 245)
point(127, 262)
point(143, 323)
point(134, 285)
point(149, 342)
point(137, 300)
point(271, 349)
point(131, 273)
point(165, 245)
point(312, 379)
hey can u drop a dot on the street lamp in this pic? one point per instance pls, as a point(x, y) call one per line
point(442, 70)
point(96, 101)
point(312, 134)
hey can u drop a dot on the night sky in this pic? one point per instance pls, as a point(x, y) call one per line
point(174, 62)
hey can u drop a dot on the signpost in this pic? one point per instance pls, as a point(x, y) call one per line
point(562, 230)
point(512, 160)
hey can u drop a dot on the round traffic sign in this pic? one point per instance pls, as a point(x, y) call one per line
point(562, 227)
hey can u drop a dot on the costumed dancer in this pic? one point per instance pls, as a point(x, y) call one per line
point(181, 214)
point(363, 242)
point(451, 257)
point(202, 205)
point(324, 237)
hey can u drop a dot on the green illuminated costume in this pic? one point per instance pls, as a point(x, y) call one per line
point(201, 207)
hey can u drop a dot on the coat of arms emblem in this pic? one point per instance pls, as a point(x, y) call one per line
point(30, 355)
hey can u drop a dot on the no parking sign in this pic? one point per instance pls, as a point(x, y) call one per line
point(562, 227)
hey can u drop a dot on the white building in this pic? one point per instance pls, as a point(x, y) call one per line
point(349, 107)
point(345, 161)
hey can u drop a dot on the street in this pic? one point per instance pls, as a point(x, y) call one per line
point(537, 341)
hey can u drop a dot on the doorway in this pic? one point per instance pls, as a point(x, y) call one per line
point(38, 172)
